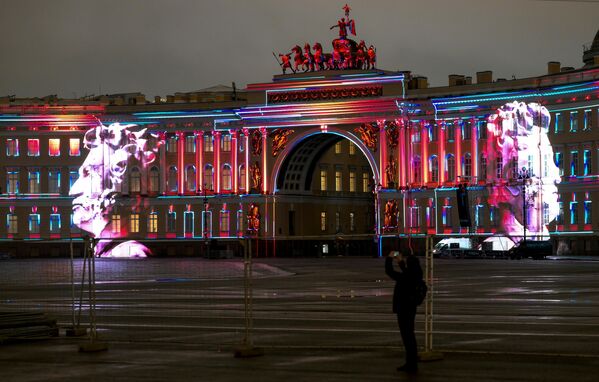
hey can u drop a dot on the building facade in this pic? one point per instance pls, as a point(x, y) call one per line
point(334, 162)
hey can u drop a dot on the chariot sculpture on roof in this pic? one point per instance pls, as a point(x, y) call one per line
point(346, 53)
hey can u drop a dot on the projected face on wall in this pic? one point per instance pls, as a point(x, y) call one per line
point(520, 150)
point(111, 149)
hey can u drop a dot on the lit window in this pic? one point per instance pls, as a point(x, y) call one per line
point(172, 179)
point(207, 223)
point(414, 217)
point(558, 127)
point(116, 223)
point(430, 216)
point(323, 180)
point(337, 222)
point(560, 215)
point(34, 223)
point(12, 223)
point(190, 144)
point(416, 166)
point(416, 136)
point(74, 147)
point(242, 177)
point(365, 182)
point(586, 158)
point(352, 181)
point(446, 216)
point(573, 212)
point(54, 147)
point(450, 168)
point(171, 222)
point(54, 181)
point(73, 176)
point(545, 213)
point(224, 223)
point(208, 145)
point(574, 121)
point(190, 178)
point(467, 173)
point(135, 180)
point(434, 171)
point(188, 223)
point(33, 147)
point(153, 223)
point(574, 164)
point(352, 222)
point(171, 144)
point(226, 177)
point(12, 147)
point(12, 182)
point(433, 132)
point(338, 148)
point(559, 162)
point(352, 148)
point(478, 215)
point(134, 223)
point(54, 223)
point(34, 182)
point(482, 130)
point(483, 167)
point(492, 216)
point(240, 220)
point(154, 179)
point(208, 178)
point(466, 130)
point(588, 120)
point(450, 132)
point(323, 221)
point(588, 212)
point(226, 142)
point(338, 181)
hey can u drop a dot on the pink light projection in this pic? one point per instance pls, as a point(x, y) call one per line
point(519, 143)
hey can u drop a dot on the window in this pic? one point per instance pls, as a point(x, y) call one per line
point(558, 127)
point(365, 182)
point(433, 132)
point(588, 212)
point(352, 222)
point(573, 212)
point(153, 223)
point(450, 130)
point(430, 215)
point(499, 167)
point(482, 174)
point(172, 179)
point(478, 215)
point(414, 217)
point(208, 178)
point(545, 213)
point(450, 168)
point(134, 223)
point(33, 147)
point(190, 144)
point(416, 168)
point(135, 180)
point(224, 223)
point(171, 222)
point(34, 182)
point(416, 136)
point(574, 163)
point(34, 223)
point(446, 216)
point(352, 181)
point(559, 162)
point(586, 158)
point(588, 120)
point(188, 223)
point(240, 220)
point(466, 130)
point(352, 148)
point(55, 223)
point(73, 176)
point(482, 130)
point(12, 147)
point(54, 181)
point(154, 179)
point(12, 182)
point(323, 180)
point(54, 147)
point(514, 168)
point(226, 143)
point(208, 143)
point(434, 169)
point(190, 178)
point(74, 227)
point(116, 223)
point(492, 216)
point(337, 222)
point(323, 221)
point(467, 173)
point(226, 177)
point(242, 177)
point(74, 147)
point(338, 181)
point(573, 121)
point(12, 224)
point(171, 144)
point(338, 148)
point(207, 223)
point(560, 215)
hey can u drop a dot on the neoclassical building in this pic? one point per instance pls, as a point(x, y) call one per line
point(339, 162)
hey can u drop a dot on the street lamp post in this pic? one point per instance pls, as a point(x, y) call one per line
point(204, 221)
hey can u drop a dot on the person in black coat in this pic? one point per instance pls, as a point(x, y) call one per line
point(406, 275)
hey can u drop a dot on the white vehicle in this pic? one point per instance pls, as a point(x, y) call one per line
point(496, 246)
point(453, 246)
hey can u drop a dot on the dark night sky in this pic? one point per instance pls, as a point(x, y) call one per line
point(79, 47)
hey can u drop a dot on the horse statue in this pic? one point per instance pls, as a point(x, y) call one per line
point(298, 57)
point(308, 63)
point(347, 50)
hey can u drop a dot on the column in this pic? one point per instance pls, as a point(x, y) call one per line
point(199, 161)
point(246, 146)
point(264, 157)
point(458, 150)
point(441, 146)
point(234, 165)
point(474, 150)
point(181, 162)
point(382, 153)
point(216, 154)
point(424, 151)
